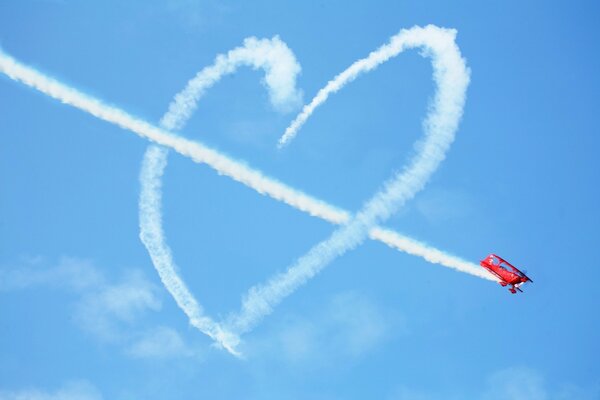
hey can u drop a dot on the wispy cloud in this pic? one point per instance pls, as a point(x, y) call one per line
point(512, 383)
point(102, 307)
point(525, 383)
point(110, 309)
point(516, 383)
point(75, 390)
point(347, 327)
point(162, 343)
point(71, 273)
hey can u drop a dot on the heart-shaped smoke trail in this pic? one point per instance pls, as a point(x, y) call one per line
point(450, 75)
point(185, 103)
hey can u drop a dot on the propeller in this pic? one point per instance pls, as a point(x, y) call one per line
point(525, 273)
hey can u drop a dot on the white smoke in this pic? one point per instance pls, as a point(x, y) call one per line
point(452, 78)
point(271, 55)
point(281, 69)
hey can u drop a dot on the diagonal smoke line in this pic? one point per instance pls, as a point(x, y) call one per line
point(193, 150)
point(429, 253)
point(224, 165)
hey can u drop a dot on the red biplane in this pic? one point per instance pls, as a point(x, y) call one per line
point(506, 272)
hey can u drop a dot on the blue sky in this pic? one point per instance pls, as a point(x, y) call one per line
point(84, 315)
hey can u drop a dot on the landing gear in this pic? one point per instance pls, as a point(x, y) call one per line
point(512, 290)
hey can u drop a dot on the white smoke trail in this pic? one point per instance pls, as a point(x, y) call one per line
point(194, 150)
point(223, 165)
point(452, 78)
point(431, 254)
point(67, 95)
point(151, 234)
point(395, 46)
point(271, 55)
point(281, 69)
